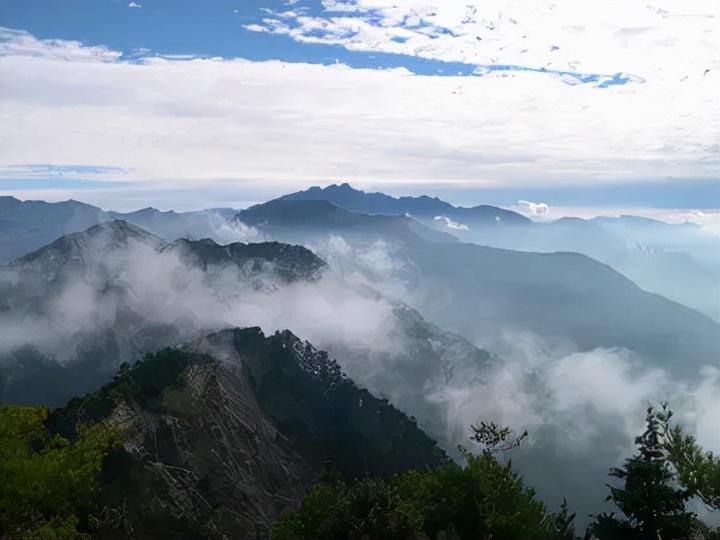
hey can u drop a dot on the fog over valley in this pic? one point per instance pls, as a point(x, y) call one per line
point(448, 331)
point(359, 270)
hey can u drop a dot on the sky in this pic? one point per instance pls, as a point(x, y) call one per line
point(187, 104)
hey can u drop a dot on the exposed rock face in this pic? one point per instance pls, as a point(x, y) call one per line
point(223, 435)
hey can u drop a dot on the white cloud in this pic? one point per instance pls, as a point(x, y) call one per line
point(450, 224)
point(20, 43)
point(134, 5)
point(535, 209)
point(200, 120)
point(659, 42)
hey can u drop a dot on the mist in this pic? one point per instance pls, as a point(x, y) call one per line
point(162, 288)
point(581, 408)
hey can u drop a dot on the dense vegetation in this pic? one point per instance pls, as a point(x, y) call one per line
point(54, 465)
point(325, 414)
point(47, 483)
point(143, 383)
point(60, 471)
point(486, 499)
point(668, 471)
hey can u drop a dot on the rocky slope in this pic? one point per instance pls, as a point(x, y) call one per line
point(222, 435)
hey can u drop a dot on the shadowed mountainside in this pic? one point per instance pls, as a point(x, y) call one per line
point(224, 434)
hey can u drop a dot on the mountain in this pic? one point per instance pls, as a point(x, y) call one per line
point(477, 291)
point(283, 262)
point(349, 198)
point(175, 225)
point(650, 252)
point(482, 292)
point(295, 218)
point(224, 434)
point(75, 309)
point(28, 225)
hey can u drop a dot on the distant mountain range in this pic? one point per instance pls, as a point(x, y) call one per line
point(28, 225)
point(650, 252)
point(294, 218)
point(496, 288)
point(224, 434)
point(349, 198)
point(433, 315)
point(480, 291)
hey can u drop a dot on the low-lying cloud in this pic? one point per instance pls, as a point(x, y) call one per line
point(582, 409)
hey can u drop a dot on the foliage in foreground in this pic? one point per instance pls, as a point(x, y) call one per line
point(483, 499)
point(47, 483)
point(658, 482)
point(486, 499)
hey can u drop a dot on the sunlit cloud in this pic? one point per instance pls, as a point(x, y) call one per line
point(186, 121)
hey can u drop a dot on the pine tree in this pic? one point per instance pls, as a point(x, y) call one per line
point(565, 522)
point(651, 499)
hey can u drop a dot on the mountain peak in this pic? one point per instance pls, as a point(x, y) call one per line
point(115, 226)
point(349, 198)
point(7, 202)
point(252, 423)
point(343, 188)
point(100, 236)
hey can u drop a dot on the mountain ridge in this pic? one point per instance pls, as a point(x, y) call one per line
point(224, 433)
point(344, 195)
point(544, 293)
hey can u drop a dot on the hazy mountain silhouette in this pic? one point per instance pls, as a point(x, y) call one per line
point(479, 291)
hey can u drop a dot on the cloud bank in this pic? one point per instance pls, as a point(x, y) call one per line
point(184, 123)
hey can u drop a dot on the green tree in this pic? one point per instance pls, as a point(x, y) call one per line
point(483, 499)
point(651, 500)
point(368, 508)
point(565, 523)
point(47, 483)
point(697, 470)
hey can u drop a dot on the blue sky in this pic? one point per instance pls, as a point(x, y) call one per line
point(215, 28)
point(491, 102)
